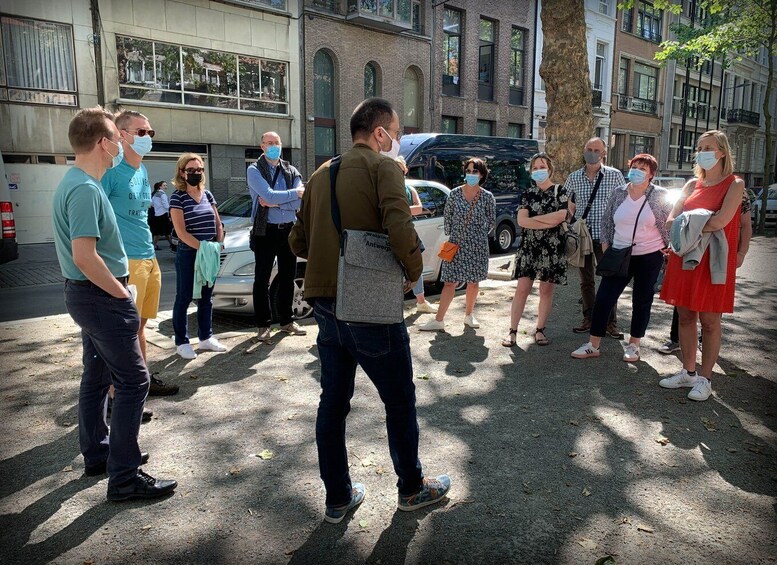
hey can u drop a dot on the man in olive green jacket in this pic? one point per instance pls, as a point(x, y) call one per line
point(371, 194)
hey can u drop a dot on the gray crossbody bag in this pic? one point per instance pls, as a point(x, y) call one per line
point(369, 277)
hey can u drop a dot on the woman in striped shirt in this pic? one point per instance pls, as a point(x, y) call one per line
point(195, 219)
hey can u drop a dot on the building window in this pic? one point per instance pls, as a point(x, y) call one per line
point(645, 81)
point(276, 4)
point(627, 20)
point(173, 74)
point(486, 60)
point(604, 7)
point(418, 21)
point(371, 85)
point(517, 66)
point(600, 67)
point(324, 107)
point(38, 62)
point(641, 144)
point(623, 77)
point(514, 130)
point(649, 22)
point(450, 124)
point(451, 47)
point(485, 127)
point(412, 119)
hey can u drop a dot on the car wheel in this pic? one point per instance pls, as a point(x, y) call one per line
point(504, 237)
point(300, 308)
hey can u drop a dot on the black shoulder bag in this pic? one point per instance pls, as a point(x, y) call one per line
point(593, 195)
point(615, 262)
point(260, 218)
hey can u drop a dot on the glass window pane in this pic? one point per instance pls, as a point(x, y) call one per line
point(38, 55)
point(451, 46)
point(370, 6)
point(135, 59)
point(370, 81)
point(486, 30)
point(452, 21)
point(386, 8)
point(323, 85)
point(484, 127)
point(449, 124)
point(516, 39)
point(412, 93)
point(209, 72)
point(274, 80)
point(168, 66)
point(404, 10)
point(325, 141)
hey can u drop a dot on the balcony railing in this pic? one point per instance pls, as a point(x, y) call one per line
point(740, 116)
point(674, 154)
point(692, 109)
point(596, 98)
point(634, 104)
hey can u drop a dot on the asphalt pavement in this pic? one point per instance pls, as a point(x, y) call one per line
point(553, 460)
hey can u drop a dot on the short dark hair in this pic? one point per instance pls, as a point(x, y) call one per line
point(371, 113)
point(480, 166)
point(88, 127)
point(158, 185)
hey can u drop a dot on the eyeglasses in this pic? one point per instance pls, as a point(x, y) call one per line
point(194, 171)
point(142, 132)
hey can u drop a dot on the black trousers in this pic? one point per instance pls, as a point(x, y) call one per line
point(275, 243)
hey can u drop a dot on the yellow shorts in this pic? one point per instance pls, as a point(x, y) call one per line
point(147, 278)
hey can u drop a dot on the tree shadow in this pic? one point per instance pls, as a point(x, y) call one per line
point(461, 353)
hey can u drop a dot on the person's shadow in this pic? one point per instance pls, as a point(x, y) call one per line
point(460, 352)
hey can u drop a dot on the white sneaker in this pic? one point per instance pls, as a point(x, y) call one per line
point(185, 351)
point(631, 353)
point(681, 379)
point(212, 344)
point(433, 326)
point(471, 321)
point(701, 390)
point(585, 351)
point(425, 308)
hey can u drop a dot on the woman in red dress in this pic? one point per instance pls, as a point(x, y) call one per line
point(715, 188)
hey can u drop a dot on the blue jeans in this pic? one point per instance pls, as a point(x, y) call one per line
point(644, 270)
point(383, 351)
point(184, 290)
point(109, 331)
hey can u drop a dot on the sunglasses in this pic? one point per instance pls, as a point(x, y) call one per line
point(142, 132)
point(194, 171)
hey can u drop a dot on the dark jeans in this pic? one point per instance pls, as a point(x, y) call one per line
point(185, 258)
point(109, 331)
point(383, 351)
point(275, 243)
point(588, 284)
point(644, 270)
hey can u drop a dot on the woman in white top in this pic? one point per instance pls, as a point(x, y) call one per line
point(645, 205)
point(160, 227)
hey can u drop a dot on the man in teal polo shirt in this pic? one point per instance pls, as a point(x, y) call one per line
point(92, 259)
point(129, 193)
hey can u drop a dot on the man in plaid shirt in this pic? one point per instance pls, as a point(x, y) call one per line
point(581, 183)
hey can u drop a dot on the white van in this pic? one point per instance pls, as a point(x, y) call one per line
point(8, 247)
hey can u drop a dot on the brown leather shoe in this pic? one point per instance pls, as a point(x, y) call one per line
point(612, 331)
point(584, 327)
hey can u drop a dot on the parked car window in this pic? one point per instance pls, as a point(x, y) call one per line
point(236, 205)
point(432, 200)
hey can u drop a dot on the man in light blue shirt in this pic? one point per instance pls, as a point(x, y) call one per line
point(276, 191)
point(91, 255)
point(129, 193)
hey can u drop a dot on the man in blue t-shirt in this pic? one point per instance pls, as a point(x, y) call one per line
point(129, 193)
point(92, 259)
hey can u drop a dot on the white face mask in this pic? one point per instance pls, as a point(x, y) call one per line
point(394, 151)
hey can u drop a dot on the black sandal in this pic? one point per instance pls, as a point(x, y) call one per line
point(510, 341)
point(543, 340)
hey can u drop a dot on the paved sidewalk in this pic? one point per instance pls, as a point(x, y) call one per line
point(37, 264)
point(553, 460)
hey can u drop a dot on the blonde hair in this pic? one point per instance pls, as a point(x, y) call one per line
point(727, 159)
point(179, 181)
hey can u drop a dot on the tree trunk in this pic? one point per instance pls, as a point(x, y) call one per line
point(568, 92)
point(768, 118)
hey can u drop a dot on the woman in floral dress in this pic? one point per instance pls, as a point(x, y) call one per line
point(543, 208)
point(470, 213)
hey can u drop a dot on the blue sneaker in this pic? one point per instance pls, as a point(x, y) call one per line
point(335, 514)
point(432, 492)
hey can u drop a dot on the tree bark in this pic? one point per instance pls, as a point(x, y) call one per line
point(568, 92)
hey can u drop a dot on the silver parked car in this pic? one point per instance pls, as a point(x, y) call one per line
point(233, 291)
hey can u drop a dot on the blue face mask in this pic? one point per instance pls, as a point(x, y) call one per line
point(142, 145)
point(706, 159)
point(472, 179)
point(273, 152)
point(540, 175)
point(119, 156)
point(637, 176)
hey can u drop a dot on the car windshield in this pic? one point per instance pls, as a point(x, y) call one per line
point(236, 205)
point(772, 194)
